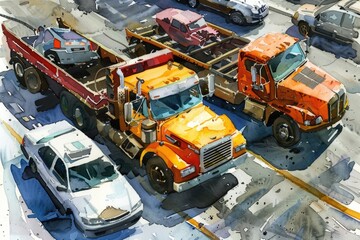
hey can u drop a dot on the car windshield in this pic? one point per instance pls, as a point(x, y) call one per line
point(176, 103)
point(286, 62)
point(67, 35)
point(197, 24)
point(91, 174)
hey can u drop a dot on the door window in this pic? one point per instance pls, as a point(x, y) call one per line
point(47, 155)
point(175, 23)
point(60, 172)
point(348, 21)
point(331, 17)
point(48, 36)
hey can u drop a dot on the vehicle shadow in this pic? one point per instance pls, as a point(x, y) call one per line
point(340, 50)
point(300, 156)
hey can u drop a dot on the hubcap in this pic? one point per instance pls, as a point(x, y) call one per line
point(158, 175)
point(19, 69)
point(78, 117)
point(192, 3)
point(33, 82)
point(236, 19)
point(284, 133)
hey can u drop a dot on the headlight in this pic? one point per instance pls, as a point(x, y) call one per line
point(239, 148)
point(136, 206)
point(187, 171)
point(307, 122)
point(92, 221)
point(318, 120)
point(296, 15)
point(255, 10)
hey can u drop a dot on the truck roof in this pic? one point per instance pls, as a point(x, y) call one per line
point(268, 46)
point(159, 77)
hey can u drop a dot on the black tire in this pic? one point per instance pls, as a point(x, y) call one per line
point(304, 28)
point(237, 18)
point(67, 102)
point(286, 131)
point(32, 166)
point(160, 177)
point(193, 3)
point(52, 56)
point(34, 80)
point(19, 70)
point(84, 119)
point(159, 30)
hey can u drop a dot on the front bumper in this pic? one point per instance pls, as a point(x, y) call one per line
point(257, 17)
point(322, 125)
point(100, 230)
point(180, 187)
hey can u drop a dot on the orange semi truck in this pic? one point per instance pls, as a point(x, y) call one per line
point(271, 74)
point(150, 107)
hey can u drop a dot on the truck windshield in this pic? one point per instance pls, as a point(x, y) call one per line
point(91, 174)
point(174, 104)
point(197, 24)
point(286, 62)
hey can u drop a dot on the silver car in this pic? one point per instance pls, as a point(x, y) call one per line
point(339, 21)
point(82, 179)
point(64, 47)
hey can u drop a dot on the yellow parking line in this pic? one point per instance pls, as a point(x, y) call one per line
point(13, 132)
point(202, 229)
point(310, 189)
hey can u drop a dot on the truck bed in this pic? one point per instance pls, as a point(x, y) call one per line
point(78, 78)
point(219, 57)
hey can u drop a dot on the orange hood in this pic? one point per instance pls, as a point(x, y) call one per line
point(199, 126)
point(309, 87)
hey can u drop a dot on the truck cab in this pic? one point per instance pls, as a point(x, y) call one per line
point(180, 141)
point(287, 91)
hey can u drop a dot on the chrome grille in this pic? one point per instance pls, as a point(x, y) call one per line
point(337, 105)
point(215, 153)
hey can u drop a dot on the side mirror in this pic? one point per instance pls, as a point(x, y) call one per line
point(128, 110)
point(253, 74)
point(356, 34)
point(211, 84)
point(61, 188)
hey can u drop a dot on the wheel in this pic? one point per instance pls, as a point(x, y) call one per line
point(193, 3)
point(237, 18)
point(19, 69)
point(32, 166)
point(159, 30)
point(33, 80)
point(84, 119)
point(160, 177)
point(304, 28)
point(67, 102)
point(52, 56)
point(286, 131)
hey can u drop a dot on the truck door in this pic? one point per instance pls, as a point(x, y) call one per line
point(262, 85)
point(176, 32)
point(328, 23)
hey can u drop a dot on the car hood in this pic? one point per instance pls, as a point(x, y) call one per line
point(249, 3)
point(107, 201)
point(199, 126)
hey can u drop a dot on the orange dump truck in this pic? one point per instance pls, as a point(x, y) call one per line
point(271, 74)
point(150, 107)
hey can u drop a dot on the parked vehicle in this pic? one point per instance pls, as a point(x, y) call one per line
point(271, 74)
point(185, 27)
point(339, 21)
point(151, 107)
point(63, 46)
point(82, 179)
point(239, 12)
